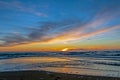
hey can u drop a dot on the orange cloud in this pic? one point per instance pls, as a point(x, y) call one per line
point(76, 35)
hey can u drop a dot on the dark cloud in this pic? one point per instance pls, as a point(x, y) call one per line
point(14, 39)
point(44, 32)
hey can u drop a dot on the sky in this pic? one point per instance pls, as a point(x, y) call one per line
point(59, 25)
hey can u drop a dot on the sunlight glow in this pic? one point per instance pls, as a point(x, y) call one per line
point(65, 49)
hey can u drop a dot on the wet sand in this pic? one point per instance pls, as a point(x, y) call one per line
point(45, 75)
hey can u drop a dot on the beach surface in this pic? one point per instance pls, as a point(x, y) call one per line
point(45, 75)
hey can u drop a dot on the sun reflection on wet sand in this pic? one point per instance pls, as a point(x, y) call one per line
point(34, 60)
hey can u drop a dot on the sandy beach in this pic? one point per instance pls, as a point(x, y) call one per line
point(45, 75)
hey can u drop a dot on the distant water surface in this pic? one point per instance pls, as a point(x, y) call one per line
point(100, 66)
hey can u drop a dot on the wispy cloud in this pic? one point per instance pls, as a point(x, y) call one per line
point(62, 31)
point(20, 7)
point(42, 35)
point(72, 36)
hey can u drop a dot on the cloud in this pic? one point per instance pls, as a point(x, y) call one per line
point(20, 7)
point(77, 35)
point(13, 39)
point(43, 33)
point(61, 31)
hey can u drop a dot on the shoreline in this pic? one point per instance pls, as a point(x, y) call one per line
point(47, 75)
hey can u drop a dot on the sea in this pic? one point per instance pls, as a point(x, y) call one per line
point(96, 63)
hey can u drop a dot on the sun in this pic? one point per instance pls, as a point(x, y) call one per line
point(65, 49)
